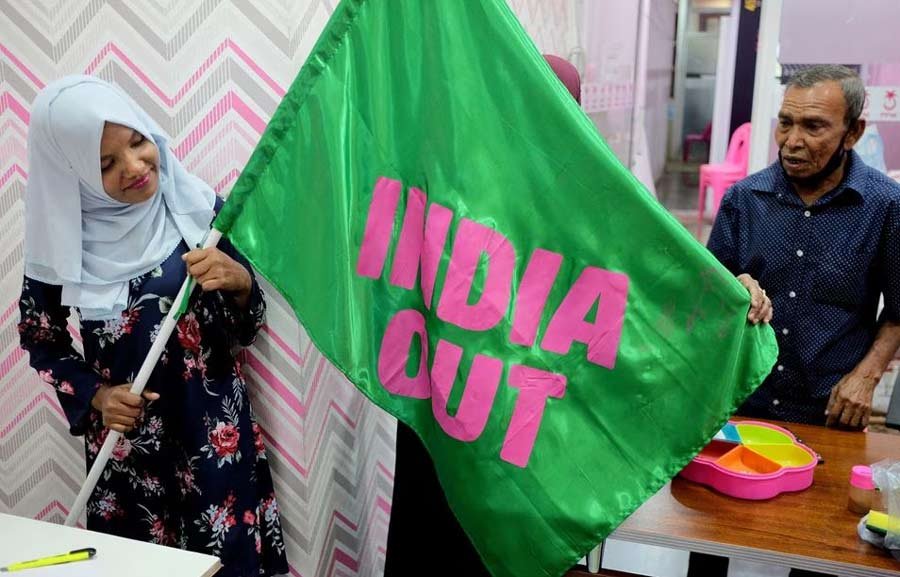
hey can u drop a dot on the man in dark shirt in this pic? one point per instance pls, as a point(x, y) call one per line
point(820, 232)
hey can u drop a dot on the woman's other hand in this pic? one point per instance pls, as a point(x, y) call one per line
point(119, 406)
point(215, 270)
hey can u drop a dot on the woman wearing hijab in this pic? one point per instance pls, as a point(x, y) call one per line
point(419, 510)
point(111, 217)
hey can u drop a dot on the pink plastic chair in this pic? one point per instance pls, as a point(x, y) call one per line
point(721, 176)
point(690, 139)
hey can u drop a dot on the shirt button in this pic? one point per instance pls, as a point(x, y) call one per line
point(799, 253)
point(784, 331)
point(807, 214)
point(776, 402)
point(792, 294)
point(780, 368)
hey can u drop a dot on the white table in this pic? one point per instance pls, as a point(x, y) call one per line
point(24, 539)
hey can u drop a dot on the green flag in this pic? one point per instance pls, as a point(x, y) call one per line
point(458, 240)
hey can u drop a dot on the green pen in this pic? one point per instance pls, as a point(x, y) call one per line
point(70, 557)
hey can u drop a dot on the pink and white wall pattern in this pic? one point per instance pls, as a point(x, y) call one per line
point(211, 72)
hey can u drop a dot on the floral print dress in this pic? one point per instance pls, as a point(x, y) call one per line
point(193, 473)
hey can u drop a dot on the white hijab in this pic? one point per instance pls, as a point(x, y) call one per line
point(78, 236)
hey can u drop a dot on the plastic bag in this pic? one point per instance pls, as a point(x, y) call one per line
point(886, 475)
point(874, 538)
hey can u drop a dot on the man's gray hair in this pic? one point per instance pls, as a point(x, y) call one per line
point(851, 84)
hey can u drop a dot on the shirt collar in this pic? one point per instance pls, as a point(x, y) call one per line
point(854, 182)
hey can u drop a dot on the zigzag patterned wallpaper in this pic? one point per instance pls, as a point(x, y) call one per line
point(211, 72)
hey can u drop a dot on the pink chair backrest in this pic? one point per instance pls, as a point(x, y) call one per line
point(739, 147)
point(707, 132)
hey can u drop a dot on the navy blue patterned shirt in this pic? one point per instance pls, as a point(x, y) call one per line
point(824, 267)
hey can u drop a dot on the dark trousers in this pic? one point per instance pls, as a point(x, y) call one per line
point(424, 537)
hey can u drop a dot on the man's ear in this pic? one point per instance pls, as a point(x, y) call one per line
point(854, 133)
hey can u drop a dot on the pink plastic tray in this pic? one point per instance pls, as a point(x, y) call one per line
point(753, 460)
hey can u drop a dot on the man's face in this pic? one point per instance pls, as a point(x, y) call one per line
point(811, 126)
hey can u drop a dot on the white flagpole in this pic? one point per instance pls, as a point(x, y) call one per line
point(212, 239)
